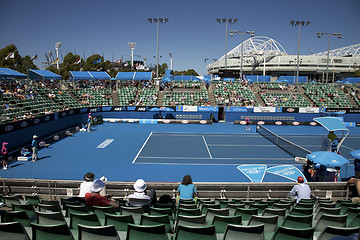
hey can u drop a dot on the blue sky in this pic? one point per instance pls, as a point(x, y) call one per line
point(192, 33)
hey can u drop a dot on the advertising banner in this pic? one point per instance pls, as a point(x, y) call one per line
point(287, 171)
point(265, 109)
point(255, 172)
point(309, 110)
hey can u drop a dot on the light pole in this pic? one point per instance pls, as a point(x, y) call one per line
point(328, 51)
point(170, 60)
point(252, 33)
point(57, 46)
point(132, 46)
point(298, 23)
point(226, 21)
point(157, 21)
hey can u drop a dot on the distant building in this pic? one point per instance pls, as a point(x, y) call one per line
point(265, 56)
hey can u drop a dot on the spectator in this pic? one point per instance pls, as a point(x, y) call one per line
point(5, 155)
point(94, 198)
point(300, 191)
point(186, 189)
point(85, 186)
point(139, 198)
point(356, 194)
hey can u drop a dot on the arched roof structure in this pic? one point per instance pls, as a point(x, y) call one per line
point(352, 50)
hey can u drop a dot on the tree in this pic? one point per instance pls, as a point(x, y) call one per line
point(94, 63)
point(357, 71)
point(17, 63)
point(69, 64)
point(187, 72)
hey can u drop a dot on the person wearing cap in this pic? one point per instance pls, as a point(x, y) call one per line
point(85, 186)
point(5, 155)
point(94, 198)
point(139, 198)
point(300, 191)
point(34, 149)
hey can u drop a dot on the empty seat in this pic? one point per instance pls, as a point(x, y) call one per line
point(49, 218)
point(97, 232)
point(235, 232)
point(13, 231)
point(332, 232)
point(195, 233)
point(285, 233)
point(138, 232)
point(45, 232)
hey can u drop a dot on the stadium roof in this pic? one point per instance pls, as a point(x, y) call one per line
point(352, 50)
point(134, 76)
point(9, 73)
point(81, 75)
point(42, 75)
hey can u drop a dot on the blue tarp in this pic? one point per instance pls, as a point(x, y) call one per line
point(292, 79)
point(42, 75)
point(9, 73)
point(186, 78)
point(258, 78)
point(331, 123)
point(134, 76)
point(351, 80)
point(80, 75)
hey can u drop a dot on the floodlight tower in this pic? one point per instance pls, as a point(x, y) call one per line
point(298, 23)
point(132, 46)
point(170, 60)
point(57, 46)
point(328, 50)
point(252, 33)
point(157, 21)
point(226, 21)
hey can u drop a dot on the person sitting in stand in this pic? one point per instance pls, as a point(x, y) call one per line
point(94, 198)
point(300, 191)
point(139, 198)
point(85, 186)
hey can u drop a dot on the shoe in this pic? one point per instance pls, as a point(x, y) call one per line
point(4, 168)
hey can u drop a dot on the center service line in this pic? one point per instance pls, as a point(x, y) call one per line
point(207, 146)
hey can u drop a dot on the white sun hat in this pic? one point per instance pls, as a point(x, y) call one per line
point(140, 185)
point(97, 185)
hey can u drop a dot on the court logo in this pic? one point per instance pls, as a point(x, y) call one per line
point(184, 121)
point(105, 143)
point(296, 123)
point(166, 121)
point(313, 123)
point(42, 144)
point(77, 129)
point(47, 118)
point(71, 112)
point(9, 128)
point(36, 121)
point(278, 123)
point(63, 114)
point(290, 110)
point(203, 121)
point(56, 137)
point(261, 122)
point(242, 122)
point(24, 124)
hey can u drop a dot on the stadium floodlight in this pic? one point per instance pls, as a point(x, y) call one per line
point(319, 35)
point(57, 46)
point(171, 60)
point(226, 21)
point(132, 46)
point(299, 23)
point(252, 34)
point(157, 21)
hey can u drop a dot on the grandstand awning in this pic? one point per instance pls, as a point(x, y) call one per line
point(88, 75)
point(134, 76)
point(186, 78)
point(9, 73)
point(42, 75)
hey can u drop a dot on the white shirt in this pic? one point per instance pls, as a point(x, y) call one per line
point(85, 187)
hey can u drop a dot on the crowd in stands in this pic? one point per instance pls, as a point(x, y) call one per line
point(234, 93)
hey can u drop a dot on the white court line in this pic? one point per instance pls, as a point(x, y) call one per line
point(239, 145)
point(347, 147)
point(206, 146)
point(217, 158)
point(142, 147)
point(197, 134)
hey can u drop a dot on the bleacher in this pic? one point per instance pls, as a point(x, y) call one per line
point(138, 95)
point(45, 208)
point(186, 98)
point(233, 94)
point(284, 100)
point(326, 95)
point(355, 93)
point(93, 96)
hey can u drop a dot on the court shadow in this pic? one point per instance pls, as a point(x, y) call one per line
point(39, 159)
point(16, 165)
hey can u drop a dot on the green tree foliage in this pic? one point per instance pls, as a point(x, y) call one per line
point(357, 71)
point(17, 63)
point(53, 68)
point(69, 65)
point(91, 65)
point(187, 72)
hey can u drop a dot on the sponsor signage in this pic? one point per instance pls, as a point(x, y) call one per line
point(236, 109)
point(290, 110)
point(265, 109)
point(286, 171)
point(189, 108)
point(207, 109)
point(255, 172)
point(309, 110)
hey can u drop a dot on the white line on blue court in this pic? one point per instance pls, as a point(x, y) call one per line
point(218, 158)
point(206, 146)
point(142, 147)
point(347, 147)
point(239, 145)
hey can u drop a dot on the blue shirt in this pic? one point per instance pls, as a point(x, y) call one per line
point(301, 191)
point(186, 191)
point(34, 144)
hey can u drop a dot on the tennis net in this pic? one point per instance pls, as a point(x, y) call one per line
point(289, 147)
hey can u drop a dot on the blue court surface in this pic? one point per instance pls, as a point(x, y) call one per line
point(167, 152)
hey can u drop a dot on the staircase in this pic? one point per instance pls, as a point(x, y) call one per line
point(160, 99)
point(115, 98)
point(257, 95)
point(211, 96)
point(300, 90)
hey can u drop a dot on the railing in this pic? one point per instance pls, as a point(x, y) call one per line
point(56, 189)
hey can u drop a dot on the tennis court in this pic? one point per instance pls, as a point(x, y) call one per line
point(167, 152)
